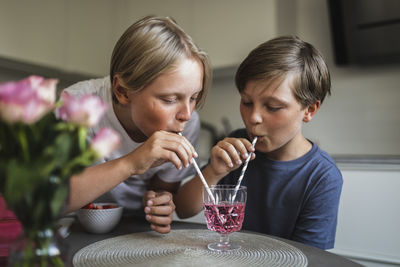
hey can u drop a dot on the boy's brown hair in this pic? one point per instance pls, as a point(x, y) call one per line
point(283, 56)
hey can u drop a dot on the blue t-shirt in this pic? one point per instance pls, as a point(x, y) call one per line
point(295, 199)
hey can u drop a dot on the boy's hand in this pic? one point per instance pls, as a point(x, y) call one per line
point(159, 208)
point(228, 154)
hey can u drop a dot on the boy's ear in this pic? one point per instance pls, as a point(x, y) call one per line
point(311, 110)
point(120, 92)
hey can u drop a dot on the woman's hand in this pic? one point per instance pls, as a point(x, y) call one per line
point(159, 208)
point(228, 154)
point(161, 147)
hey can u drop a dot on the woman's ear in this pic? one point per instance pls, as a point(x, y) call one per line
point(311, 110)
point(120, 92)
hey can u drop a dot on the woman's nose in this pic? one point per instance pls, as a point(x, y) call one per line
point(184, 112)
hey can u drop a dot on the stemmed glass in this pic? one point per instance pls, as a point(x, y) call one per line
point(225, 215)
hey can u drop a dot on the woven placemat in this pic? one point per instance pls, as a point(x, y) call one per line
point(187, 248)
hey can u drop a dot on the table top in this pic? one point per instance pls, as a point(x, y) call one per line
point(81, 244)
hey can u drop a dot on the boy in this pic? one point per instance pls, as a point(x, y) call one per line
point(293, 186)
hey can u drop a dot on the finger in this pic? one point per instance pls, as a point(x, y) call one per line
point(159, 210)
point(162, 229)
point(231, 148)
point(147, 198)
point(162, 198)
point(183, 152)
point(150, 194)
point(244, 146)
point(159, 220)
point(184, 149)
point(222, 155)
point(176, 160)
point(250, 146)
point(177, 145)
point(170, 156)
point(190, 146)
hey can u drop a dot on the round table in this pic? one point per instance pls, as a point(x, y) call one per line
point(78, 241)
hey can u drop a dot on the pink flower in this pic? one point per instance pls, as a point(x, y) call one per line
point(45, 88)
point(27, 100)
point(86, 110)
point(105, 141)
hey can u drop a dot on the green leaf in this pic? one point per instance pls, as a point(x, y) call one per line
point(59, 200)
point(21, 180)
point(56, 155)
point(82, 138)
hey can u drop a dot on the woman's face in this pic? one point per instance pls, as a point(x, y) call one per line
point(270, 111)
point(167, 103)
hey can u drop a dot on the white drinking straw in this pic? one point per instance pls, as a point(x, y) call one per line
point(202, 178)
point(244, 169)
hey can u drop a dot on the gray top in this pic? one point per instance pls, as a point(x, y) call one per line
point(130, 192)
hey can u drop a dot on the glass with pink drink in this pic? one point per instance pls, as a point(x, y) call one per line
point(224, 215)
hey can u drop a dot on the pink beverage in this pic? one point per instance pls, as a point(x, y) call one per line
point(225, 217)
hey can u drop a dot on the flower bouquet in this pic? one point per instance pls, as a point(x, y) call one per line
point(42, 144)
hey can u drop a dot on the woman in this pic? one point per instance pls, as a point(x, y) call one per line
point(158, 76)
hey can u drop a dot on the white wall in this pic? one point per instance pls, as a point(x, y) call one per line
point(79, 35)
point(222, 102)
point(69, 35)
point(226, 29)
point(362, 114)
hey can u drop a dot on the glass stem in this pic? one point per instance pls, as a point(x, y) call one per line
point(224, 239)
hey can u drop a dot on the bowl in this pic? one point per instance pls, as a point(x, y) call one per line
point(99, 218)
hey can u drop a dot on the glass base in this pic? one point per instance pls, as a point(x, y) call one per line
point(223, 247)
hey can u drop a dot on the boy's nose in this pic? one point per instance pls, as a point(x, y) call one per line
point(255, 116)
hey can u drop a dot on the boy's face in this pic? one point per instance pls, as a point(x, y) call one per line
point(270, 111)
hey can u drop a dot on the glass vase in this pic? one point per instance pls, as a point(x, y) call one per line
point(38, 212)
point(43, 247)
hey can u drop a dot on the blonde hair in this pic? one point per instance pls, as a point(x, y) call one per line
point(286, 55)
point(151, 47)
